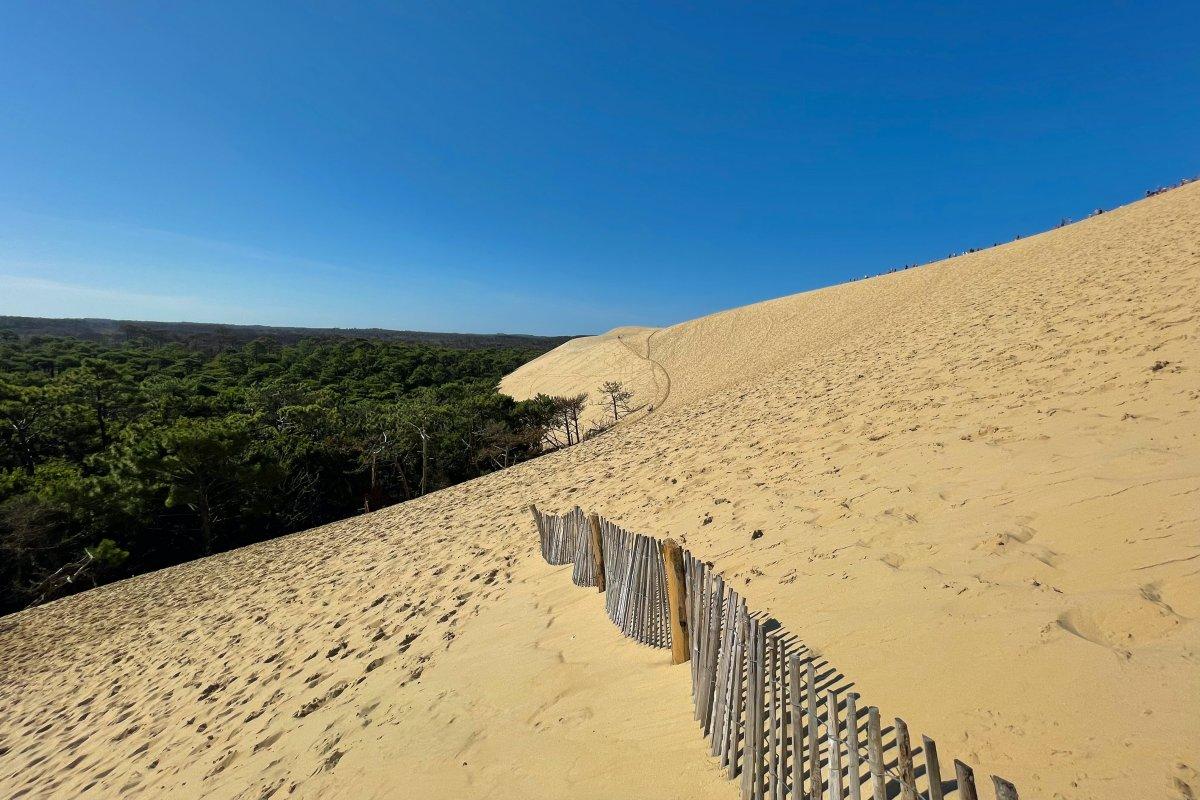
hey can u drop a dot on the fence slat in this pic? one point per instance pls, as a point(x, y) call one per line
point(797, 694)
point(722, 685)
point(771, 719)
point(714, 645)
point(814, 742)
point(875, 755)
point(737, 704)
point(1004, 789)
point(748, 769)
point(706, 614)
point(854, 763)
point(966, 781)
point(690, 575)
point(908, 779)
point(760, 775)
point(833, 734)
point(781, 776)
point(933, 770)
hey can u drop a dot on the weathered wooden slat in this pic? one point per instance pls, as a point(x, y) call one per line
point(770, 691)
point(814, 741)
point(713, 654)
point(701, 633)
point(690, 573)
point(584, 571)
point(713, 645)
point(717, 701)
point(638, 597)
point(795, 684)
point(697, 624)
point(1004, 789)
point(721, 700)
point(651, 632)
point(737, 703)
point(933, 770)
point(833, 734)
point(908, 778)
point(662, 614)
point(643, 605)
point(760, 772)
point(748, 769)
point(784, 716)
point(629, 613)
point(875, 755)
point(966, 781)
point(853, 760)
point(630, 587)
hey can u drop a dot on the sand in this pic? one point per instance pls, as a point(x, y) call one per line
point(978, 486)
point(581, 365)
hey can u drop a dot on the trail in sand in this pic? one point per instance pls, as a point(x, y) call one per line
point(665, 386)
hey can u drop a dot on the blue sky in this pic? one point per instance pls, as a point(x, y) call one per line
point(555, 167)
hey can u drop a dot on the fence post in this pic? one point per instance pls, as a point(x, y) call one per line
point(597, 551)
point(673, 566)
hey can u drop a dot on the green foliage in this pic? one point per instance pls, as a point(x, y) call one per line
point(107, 555)
point(120, 458)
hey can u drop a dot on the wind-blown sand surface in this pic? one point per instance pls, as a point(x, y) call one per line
point(978, 486)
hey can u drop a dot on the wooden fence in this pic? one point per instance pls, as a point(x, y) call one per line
point(773, 714)
point(560, 541)
point(636, 591)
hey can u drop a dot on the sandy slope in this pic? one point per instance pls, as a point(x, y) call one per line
point(582, 364)
point(979, 487)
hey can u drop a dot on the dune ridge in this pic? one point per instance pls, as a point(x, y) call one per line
point(972, 485)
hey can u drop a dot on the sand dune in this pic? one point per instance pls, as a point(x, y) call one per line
point(978, 486)
point(582, 364)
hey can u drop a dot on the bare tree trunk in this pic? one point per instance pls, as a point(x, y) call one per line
point(205, 522)
point(424, 461)
point(403, 480)
point(373, 490)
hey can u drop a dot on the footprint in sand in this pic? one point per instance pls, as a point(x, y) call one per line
point(1121, 623)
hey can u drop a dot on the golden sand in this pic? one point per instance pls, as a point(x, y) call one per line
point(978, 484)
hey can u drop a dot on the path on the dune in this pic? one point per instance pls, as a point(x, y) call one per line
point(666, 386)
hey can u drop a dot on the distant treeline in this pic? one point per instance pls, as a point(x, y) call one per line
point(116, 459)
point(211, 337)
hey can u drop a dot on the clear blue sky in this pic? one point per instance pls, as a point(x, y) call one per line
point(555, 167)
